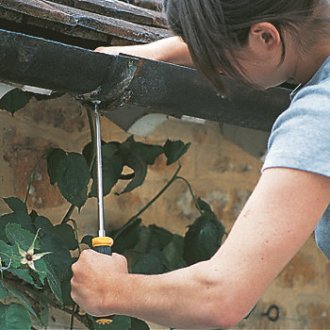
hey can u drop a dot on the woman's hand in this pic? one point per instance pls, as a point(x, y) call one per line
point(94, 281)
point(112, 50)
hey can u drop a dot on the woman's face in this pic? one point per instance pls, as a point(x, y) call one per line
point(262, 71)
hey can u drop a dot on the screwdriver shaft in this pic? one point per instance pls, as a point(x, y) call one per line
point(99, 170)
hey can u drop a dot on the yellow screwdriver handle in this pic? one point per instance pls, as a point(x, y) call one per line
point(103, 245)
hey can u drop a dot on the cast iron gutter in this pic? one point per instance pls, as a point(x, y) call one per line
point(125, 84)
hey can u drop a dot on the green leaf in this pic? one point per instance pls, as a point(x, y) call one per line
point(66, 233)
point(173, 253)
point(56, 159)
point(15, 204)
point(19, 236)
point(33, 215)
point(174, 150)
point(128, 237)
point(112, 167)
point(46, 270)
point(134, 161)
point(146, 151)
point(87, 240)
point(60, 256)
point(14, 317)
point(18, 217)
point(42, 270)
point(3, 291)
point(22, 299)
point(88, 153)
point(23, 274)
point(149, 263)
point(71, 173)
point(66, 287)
point(142, 245)
point(120, 322)
point(9, 254)
point(148, 239)
point(202, 205)
point(55, 239)
point(138, 324)
point(15, 100)
point(160, 237)
point(54, 282)
point(203, 238)
point(50, 242)
point(44, 224)
point(115, 156)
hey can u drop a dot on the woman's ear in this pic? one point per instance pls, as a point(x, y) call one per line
point(264, 35)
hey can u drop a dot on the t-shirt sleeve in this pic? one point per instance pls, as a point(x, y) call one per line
point(300, 137)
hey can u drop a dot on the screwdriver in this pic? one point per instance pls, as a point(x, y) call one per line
point(102, 243)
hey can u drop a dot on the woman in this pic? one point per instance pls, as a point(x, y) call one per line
point(260, 43)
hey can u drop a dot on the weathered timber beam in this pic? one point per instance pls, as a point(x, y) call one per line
point(74, 21)
point(118, 9)
point(150, 4)
point(41, 63)
point(125, 84)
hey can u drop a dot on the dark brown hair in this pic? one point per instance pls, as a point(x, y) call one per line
point(214, 29)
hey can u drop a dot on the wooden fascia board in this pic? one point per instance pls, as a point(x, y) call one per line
point(125, 83)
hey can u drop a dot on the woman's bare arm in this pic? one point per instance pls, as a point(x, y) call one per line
point(172, 50)
point(276, 221)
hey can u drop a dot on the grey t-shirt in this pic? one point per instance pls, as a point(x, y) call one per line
point(300, 138)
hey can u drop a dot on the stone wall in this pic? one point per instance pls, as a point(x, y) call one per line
point(219, 171)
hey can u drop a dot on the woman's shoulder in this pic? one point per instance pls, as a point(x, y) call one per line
point(300, 136)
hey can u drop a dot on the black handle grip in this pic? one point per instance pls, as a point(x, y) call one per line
point(103, 249)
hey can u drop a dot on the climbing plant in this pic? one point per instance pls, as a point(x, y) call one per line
point(36, 253)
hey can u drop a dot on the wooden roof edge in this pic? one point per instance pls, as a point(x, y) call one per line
point(124, 83)
point(76, 22)
point(105, 8)
point(119, 9)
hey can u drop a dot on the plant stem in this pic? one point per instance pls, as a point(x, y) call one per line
point(75, 230)
point(30, 184)
point(191, 192)
point(72, 317)
point(168, 184)
point(135, 216)
point(68, 214)
point(129, 223)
